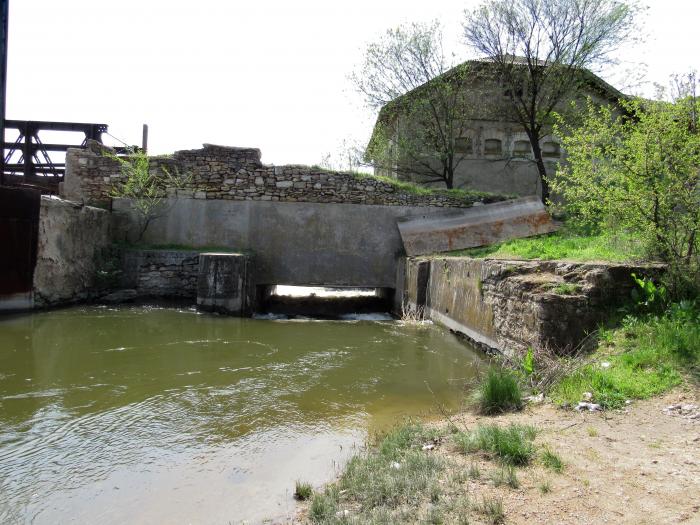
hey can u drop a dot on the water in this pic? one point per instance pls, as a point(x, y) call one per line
point(155, 415)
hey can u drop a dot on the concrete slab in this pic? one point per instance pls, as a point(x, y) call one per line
point(476, 226)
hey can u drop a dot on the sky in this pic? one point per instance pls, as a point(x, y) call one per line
point(266, 74)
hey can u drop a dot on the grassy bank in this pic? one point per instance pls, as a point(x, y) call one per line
point(562, 245)
point(647, 355)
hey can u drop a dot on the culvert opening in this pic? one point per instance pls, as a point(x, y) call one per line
point(324, 302)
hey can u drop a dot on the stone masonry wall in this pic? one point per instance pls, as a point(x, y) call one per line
point(226, 173)
point(161, 273)
point(511, 305)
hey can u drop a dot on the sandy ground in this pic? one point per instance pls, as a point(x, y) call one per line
point(640, 465)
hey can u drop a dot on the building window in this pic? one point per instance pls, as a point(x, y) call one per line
point(464, 145)
point(521, 148)
point(493, 147)
point(551, 149)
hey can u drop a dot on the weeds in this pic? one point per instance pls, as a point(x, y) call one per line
point(545, 487)
point(552, 461)
point(648, 356)
point(512, 445)
point(492, 509)
point(303, 491)
point(499, 392)
point(567, 289)
point(505, 476)
point(474, 472)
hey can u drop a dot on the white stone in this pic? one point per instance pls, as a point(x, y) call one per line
point(284, 184)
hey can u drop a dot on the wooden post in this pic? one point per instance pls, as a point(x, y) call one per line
point(144, 139)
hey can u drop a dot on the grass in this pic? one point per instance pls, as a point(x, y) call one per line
point(552, 461)
point(382, 482)
point(498, 392)
point(492, 509)
point(512, 445)
point(545, 487)
point(561, 245)
point(506, 475)
point(418, 189)
point(567, 289)
point(303, 491)
point(644, 357)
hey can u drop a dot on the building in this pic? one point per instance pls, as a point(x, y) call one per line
point(491, 149)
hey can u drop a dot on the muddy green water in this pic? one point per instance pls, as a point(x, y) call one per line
point(162, 415)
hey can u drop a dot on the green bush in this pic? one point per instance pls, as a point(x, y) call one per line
point(499, 392)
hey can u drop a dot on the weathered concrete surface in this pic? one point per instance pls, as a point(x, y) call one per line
point(161, 273)
point(476, 226)
point(293, 243)
point(223, 284)
point(509, 305)
point(70, 237)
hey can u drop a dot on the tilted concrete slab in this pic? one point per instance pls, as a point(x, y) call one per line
point(476, 226)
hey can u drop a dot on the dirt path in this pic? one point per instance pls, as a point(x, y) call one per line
point(640, 465)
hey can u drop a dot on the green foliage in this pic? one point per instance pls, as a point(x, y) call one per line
point(303, 490)
point(639, 173)
point(648, 295)
point(499, 392)
point(552, 460)
point(650, 354)
point(529, 362)
point(562, 245)
point(323, 507)
point(512, 445)
point(145, 186)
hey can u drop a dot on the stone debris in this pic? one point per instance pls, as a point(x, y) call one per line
point(587, 396)
point(684, 410)
point(591, 407)
point(539, 398)
point(395, 465)
point(428, 446)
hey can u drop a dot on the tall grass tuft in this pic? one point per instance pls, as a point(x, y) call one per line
point(512, 445)
point(498, 392)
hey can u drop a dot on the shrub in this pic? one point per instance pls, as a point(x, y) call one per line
point(499, 392)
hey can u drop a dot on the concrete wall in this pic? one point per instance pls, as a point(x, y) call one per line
point(292, 243)
point(509, 306)
point(70, 237)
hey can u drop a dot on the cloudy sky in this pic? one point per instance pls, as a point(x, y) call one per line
point(269, 74)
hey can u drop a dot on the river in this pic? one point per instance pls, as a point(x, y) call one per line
point(165, 415)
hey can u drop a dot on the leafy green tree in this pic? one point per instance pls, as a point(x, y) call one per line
point(540, 51)
point(640, 173)
point(146, 187)
point(424, 111)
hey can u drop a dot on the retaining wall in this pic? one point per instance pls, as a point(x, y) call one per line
point(161, 273)
point(509, 306)
point(237, 174)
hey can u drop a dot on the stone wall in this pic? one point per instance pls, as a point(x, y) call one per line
point(161, 273)
point(509, 306)
point(70, 237)
point(226, 173)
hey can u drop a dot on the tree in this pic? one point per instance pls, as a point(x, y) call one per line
point(541, 52)
point(146, 186)
point(420, 92)
point(639, 173)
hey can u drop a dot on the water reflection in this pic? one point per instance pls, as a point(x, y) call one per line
point(151, 414)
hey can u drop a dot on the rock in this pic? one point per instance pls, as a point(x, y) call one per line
point(120, 296)
point(591, 407)
point(587, 396)
point(539, 398)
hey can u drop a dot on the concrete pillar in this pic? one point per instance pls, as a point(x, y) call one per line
point(223, 283)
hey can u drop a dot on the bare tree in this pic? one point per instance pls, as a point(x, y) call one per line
point(542, 51)
point(424, 111)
